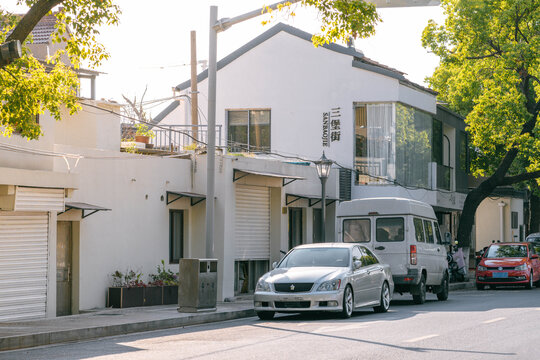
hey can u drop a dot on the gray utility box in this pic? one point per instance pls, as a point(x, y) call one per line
point(197, 285)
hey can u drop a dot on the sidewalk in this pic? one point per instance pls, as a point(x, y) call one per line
point(111, 322)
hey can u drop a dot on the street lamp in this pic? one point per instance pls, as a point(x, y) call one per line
point(323, 166)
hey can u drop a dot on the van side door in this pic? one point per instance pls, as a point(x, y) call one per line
point(441, 250)
point(390, 245)
point(431, 264)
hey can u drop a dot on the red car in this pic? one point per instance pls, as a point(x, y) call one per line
point(508, 264)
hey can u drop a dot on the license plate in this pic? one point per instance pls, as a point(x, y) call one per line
point(500, 275)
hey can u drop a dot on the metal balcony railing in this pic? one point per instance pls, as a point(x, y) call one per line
point(178, 138)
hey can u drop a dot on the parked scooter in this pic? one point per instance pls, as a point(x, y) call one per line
point(456, 264)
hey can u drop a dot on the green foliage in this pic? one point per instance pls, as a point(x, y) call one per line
point(340, 19)
point(163, 276)
point(489, 71)
point(29, 87)
point(130, 278)
point(144, 130)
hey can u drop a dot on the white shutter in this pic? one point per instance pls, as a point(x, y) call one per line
point(23, 265)
point(252, 228)
point(39, 199)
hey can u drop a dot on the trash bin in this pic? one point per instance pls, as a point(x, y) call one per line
point(197, 285)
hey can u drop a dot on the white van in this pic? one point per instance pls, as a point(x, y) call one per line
point(403, 233)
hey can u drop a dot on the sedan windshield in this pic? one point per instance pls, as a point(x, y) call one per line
point(506, 251)
point(332, 257)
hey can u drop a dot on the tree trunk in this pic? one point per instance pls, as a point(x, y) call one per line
point(534, 209)
point(31, 18)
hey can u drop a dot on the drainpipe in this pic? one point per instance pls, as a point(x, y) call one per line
point(501, 204)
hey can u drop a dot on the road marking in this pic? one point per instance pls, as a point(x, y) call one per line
point(493, 320)
point(421, 338)
point(327, 329)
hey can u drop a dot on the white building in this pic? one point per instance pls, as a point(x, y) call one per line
point(280, 94)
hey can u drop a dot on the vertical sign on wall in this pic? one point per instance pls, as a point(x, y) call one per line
point(331, 126)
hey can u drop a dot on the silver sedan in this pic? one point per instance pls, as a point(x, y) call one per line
point(338, 277)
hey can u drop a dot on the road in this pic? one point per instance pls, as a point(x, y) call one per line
point(491, 324)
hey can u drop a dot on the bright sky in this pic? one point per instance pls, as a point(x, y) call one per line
point(152, 42)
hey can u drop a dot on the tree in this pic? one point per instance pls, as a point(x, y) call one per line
point(489, 72)
point(28, 86)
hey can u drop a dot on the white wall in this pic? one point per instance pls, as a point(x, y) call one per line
point(487, 220)
point(299, 82)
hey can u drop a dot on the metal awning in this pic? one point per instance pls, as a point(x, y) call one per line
point(312, 199)
point(239, 173)
point(172, 196)
point(84, 207)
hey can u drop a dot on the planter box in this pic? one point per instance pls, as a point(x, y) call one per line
point(153, 295)
point(170, 294)
point(122, 297)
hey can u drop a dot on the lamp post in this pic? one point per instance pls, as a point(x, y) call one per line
point(323, 166)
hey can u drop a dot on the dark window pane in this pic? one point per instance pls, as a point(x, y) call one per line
point(238, 130)
point(317, 219)
point(390, 229)
point(437, 142)
point(176, 244)
point(295, 227)
point(429, 231)
point(419, 230)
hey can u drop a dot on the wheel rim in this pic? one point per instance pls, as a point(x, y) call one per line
point(386, 296)
point(348, 301)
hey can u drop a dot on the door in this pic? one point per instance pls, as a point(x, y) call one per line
point(295, 227)
point(375, 275)
point(432, 251)
point(317, 219)
point(390, 245)
point(359, 279)
point(64, 268)
point(252, 225)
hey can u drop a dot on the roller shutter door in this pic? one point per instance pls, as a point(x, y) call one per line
point(252, 228)
point(23, 265)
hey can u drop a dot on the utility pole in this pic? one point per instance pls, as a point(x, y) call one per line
point(194, 92)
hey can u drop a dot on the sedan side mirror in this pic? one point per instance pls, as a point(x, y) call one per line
point(534, 256)
point(447, 238)
point(274, 264)
point(357, 264)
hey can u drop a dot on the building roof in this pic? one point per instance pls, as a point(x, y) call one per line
point(44, 29)
point(359, 60)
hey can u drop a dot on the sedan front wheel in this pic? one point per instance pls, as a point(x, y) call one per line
point(348, 303)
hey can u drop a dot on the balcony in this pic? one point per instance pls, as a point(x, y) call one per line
point(175, 138)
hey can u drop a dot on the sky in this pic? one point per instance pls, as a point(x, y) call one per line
point(151, 45)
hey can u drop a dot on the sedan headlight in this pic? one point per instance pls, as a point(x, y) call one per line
point(481, 268)
point(330, 285)
point(263, 285)
point(521, 267)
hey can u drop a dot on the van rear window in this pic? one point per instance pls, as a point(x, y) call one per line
point(390, 229)
point(356, 230)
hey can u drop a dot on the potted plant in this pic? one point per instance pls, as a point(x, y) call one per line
point(143, 133)
point(127, 290)
point(168, 280)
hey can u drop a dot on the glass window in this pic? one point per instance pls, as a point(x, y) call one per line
point(325, 257)
point(356, 254)
point(295, 227)
point(368, 258)
point(356, 230)
point(419, 230)
point(429, 231)
point(437, 142)
point(437, 233)
point(176, 236)
point(390, 229)
point(504, 251)
point(248, 130)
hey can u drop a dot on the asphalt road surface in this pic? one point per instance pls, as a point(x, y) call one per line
point(490, 324)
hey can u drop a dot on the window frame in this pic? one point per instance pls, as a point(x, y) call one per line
point(172, 242)
point(250, 148)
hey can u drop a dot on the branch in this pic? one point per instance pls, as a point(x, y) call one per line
point(31, 19)
point(509, 180)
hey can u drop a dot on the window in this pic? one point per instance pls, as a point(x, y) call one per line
point(356, 230)
point(295, 227)
point(390, 229)
point(418, 230)
point(429, 231)
point(317, 219)
point(437, 233)
point(437, 143)
point(176, 236)
point(248, 130)
point(514, 220)
point(368, 258)
point(463, 152)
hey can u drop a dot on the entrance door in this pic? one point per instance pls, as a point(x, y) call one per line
point(295, 227)
point(317, 219)
point(63, 268)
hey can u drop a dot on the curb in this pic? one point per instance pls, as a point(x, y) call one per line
point(73, 335)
